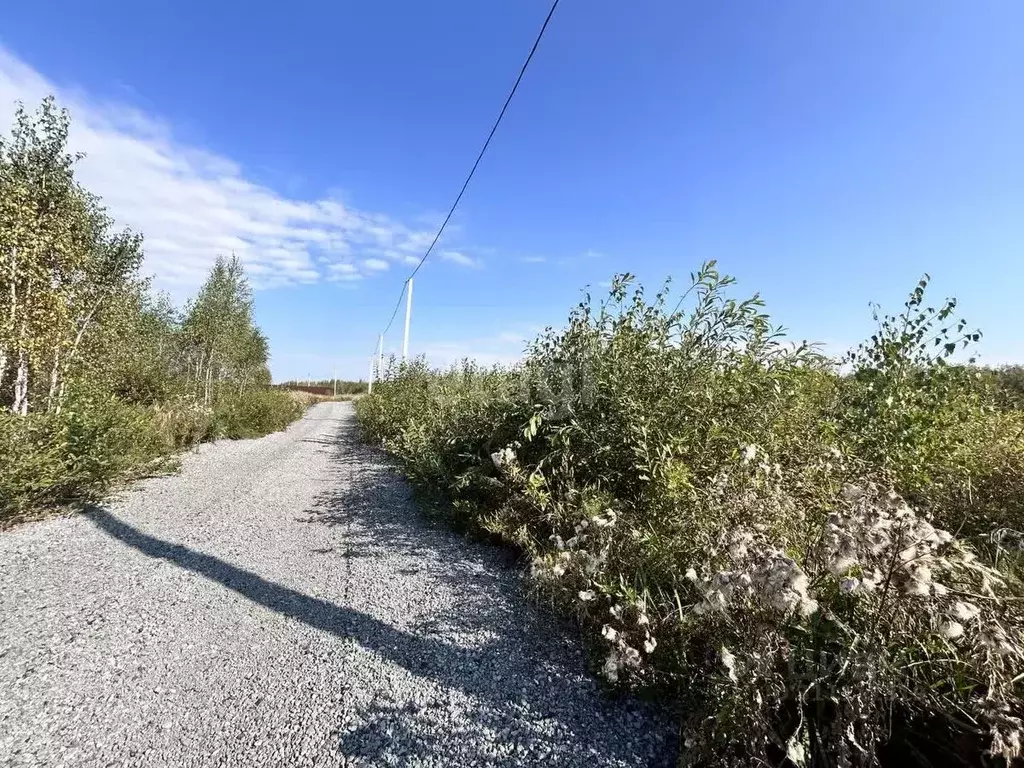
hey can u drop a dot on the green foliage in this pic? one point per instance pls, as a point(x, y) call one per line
point(252, 413)
point(948, 437)
point(727, 514)
point(99, 379)
point(903, 402)
point(141, 357)
point(220, 343)
point(63, 268)
point(1006, 385)
point(49, 459)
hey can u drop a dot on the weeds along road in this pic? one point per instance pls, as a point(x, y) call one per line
point(281, 602)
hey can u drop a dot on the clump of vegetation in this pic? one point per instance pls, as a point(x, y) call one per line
point(99, 379)
point(809, 556)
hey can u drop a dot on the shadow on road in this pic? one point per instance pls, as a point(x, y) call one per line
point(489, 643)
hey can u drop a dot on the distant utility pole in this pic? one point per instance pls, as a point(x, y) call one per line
point(334, 376)
point(408, 316)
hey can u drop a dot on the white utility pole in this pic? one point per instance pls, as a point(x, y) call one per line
point(408, 317)
point(334, 376)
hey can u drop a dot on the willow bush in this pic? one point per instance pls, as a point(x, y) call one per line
point(806, 555)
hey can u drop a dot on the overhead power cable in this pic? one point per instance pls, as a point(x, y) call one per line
point(476, 163)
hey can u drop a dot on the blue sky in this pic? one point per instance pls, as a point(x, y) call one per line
point(825, 153)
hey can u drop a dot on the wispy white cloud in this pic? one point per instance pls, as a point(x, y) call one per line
point(193, 205)
point(504, 348)
point(586, 256)
point(375, 265)
point(533, 259)
point(340, 272)
point(460, 258)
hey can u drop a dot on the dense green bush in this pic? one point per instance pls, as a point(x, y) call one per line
point(745, 524)
point(48, 460)
point(1007, 384)
point(252, 413)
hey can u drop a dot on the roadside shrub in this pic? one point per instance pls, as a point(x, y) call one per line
point(735, 522)
point(305, 399)
point(948, 437)
point(884, 614)
point(77, 455)
point(31, 466)
point(182, 423)
point(252, 413)
point(50, 460)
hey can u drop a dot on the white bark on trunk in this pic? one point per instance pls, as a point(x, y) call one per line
point(60, 395)
point(82, 329)
point(14, 309)
point(52, 404)
point(20, 405)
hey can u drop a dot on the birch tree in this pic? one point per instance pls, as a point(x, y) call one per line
point(40, 215)
point(222, 344)
point(61, 263)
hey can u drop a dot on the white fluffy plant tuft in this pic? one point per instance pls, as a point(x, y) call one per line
point(885, 613)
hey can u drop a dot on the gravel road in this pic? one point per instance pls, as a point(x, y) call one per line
point(280, 602)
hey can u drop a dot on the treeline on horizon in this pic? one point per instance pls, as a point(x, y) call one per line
point(320, 386)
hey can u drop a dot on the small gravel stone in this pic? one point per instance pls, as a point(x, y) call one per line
point(282, 602)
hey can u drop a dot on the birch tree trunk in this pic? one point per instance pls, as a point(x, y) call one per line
point(20, 405)
point(82, 329)
point(60, 395)
point(52, 404)
point(55, 399)
point(14, 311)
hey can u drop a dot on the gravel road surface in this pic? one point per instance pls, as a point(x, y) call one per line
point(282, 603)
